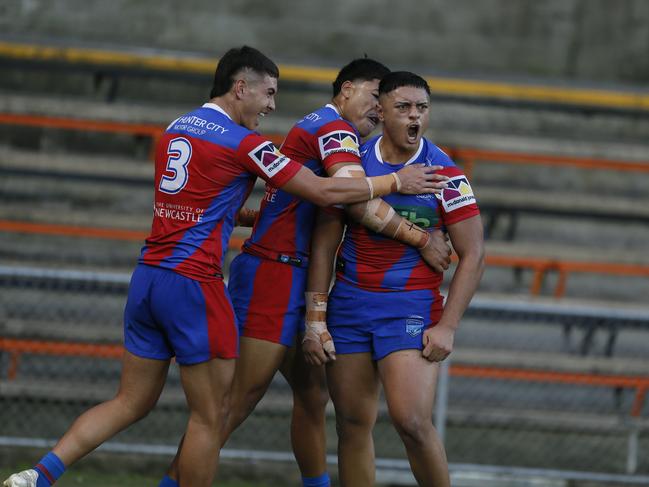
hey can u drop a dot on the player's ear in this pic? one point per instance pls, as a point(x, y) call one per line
point(347, 89)
point(379, 112)
point(239, 87)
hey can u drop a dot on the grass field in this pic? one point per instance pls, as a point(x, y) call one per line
point(76, 477)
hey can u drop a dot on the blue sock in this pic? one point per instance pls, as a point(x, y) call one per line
point(167, 482)
point(321, 481)
point(49, 469)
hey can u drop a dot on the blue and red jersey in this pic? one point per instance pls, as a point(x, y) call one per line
point(378, 263)
point(205, 167)
point(285, 222)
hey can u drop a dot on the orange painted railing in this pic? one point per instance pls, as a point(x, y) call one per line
point(16, 347)
point(466, 156)
point(153, 131)
point(540, 266)
point(639, 383)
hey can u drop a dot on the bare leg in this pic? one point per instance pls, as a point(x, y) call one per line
point(140, 386)
point(254, 370)
point(310, 397)
point(207, 389)
point(409, 382)
point(256, 366)
point(354, 388)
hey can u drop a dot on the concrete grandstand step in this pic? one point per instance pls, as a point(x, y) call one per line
point(48, 330)
point(613, 136)
point(558, 202)
point(552, 250)
point(68, 162)
point(549, 361)
point(63, 252)
point(540, 420)
point(121, 111)
point(64, 214)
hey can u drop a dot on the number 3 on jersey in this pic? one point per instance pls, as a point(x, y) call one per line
point(179, 154)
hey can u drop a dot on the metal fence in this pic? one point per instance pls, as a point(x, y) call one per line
point(532, 384)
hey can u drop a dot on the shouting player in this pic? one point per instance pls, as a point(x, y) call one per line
point(205, 166)
point(385, 312)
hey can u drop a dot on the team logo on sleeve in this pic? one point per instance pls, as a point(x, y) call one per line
point(338, 141)
point(268, 158)
point(457, 194)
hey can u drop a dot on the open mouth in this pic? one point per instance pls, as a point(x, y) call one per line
point(413, 132)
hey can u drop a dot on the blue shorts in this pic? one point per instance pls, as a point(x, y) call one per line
point(169, 314)
point(268, 298)
point(380, 322)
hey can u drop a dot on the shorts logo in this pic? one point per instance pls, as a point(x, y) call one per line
point(268, 158)
point(457, 194)
point(338, 141)
point(414, 325)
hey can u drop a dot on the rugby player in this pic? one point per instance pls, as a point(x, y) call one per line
point(385, 312)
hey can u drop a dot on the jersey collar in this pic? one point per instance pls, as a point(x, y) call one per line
point(334, 108)
point(379, 157)
point(214, 106)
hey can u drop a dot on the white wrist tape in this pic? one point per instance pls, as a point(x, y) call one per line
point(398, 179)
point(377, 215)
point(350, 171)
point(369, 183)
point(315, 323)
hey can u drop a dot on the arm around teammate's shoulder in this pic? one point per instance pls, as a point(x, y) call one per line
point(330, 191)
point(327, 191)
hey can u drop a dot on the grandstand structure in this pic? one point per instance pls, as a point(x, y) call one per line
point(550, 376)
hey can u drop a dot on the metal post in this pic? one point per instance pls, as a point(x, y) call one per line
point(441, 401)
point(632, 450)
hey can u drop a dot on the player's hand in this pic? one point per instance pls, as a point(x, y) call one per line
point(419, 179)
point(437, 252)
point(318, 346)
point(245, 217)
point(438, 342)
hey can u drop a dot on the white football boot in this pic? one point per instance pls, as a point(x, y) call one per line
point(26, 478)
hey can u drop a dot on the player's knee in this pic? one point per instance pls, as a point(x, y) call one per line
point(312, 400)
point(212, 419)
point(413, 428)
point(136, 408)
point(349, 424)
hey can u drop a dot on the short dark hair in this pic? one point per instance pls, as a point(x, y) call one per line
point(397, 79)
point(365, 69)
point(235, 60)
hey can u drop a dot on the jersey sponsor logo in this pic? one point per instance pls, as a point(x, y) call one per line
point(338, 141)
point(268, 158)
point(422, 216)
point(178, 212)
point(414, 325)
point(457, 194)
point(311, 117)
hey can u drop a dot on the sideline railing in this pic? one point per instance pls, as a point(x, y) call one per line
point(468, 157)
point(15, 348)
point(541, 267)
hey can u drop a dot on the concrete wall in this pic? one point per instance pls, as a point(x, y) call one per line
point(599, 40)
